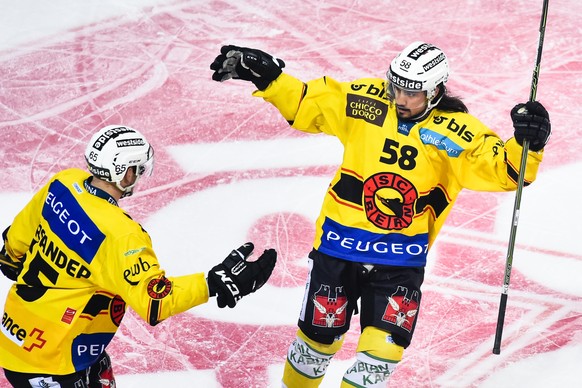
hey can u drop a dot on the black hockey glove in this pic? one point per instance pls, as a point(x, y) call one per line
point(247, 64)
point(531, 121)
point(10, 268)
point(236, 277)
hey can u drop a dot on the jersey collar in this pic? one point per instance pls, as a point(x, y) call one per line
point(98, 192)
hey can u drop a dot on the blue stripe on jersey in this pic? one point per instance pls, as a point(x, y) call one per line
point(360, 245)
point(70, 223)
point(440, 141)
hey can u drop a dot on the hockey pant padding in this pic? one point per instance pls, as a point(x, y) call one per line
point(307, 361)
point(376, 358)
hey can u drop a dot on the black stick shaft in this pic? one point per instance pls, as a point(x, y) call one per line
point(520, 184)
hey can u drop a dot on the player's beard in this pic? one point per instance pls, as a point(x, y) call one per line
point(404, 113)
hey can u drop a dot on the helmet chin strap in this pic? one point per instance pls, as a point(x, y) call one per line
point(127, 191)
point(431, 103)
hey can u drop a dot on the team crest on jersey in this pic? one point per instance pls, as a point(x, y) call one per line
point(389, 200)
point(117, 309)
point(329, 310)
point(402, 308)
point(159, 288)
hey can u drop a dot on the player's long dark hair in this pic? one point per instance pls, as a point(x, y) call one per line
point(450, 103)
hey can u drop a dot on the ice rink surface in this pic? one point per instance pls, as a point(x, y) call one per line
point(229, 170)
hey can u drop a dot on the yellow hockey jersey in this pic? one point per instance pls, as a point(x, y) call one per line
point(398, 179)
point(84, 259)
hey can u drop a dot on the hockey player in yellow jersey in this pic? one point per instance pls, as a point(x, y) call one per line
point(409, 149)
point(77, 259)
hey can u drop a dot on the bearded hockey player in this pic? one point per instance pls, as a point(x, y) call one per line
point(77, 260)
point(409, 149)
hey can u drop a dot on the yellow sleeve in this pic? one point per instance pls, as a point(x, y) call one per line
point(133, 272)
point(492, 165)
point(313, 107)
point(285, 93)
point(514, 152)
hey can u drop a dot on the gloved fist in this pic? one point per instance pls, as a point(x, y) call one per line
point(531, 121)
point(10, 268)
point(236, 277)
point(247, 64)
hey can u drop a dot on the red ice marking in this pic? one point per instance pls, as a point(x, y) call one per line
point(238, 353)
point(291, 234)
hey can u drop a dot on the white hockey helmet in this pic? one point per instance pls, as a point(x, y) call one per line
point(114, 149)
point(419, 67)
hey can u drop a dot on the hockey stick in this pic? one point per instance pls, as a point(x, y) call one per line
point(520, 183)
